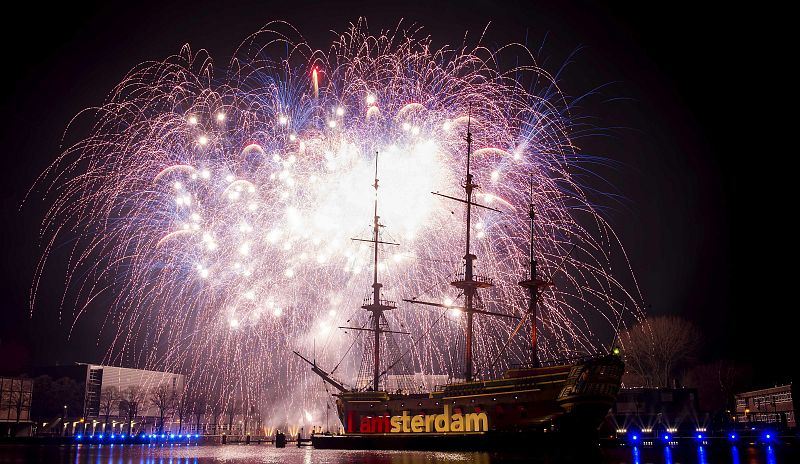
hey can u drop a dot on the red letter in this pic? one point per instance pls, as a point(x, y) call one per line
point(366, 427)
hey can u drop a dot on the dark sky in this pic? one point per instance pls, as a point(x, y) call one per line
point(697, 140)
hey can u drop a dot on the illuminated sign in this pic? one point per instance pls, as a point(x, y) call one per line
point(423, 423)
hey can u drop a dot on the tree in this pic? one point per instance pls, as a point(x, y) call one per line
point(717, 382)
point(656, 348)
point(164, 398)
point(232, 408)
point(182, 409)
point(108, 398)
point(217, 408)
point(198, 402)
point(132, 399)
point(50, 396)
point(20, 398)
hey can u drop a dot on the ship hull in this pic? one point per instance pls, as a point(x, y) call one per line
point(524, 406)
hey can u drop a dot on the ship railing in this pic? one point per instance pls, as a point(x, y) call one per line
point(558, 362)
point(381, 301)
point(475, 278)
point(461, 387)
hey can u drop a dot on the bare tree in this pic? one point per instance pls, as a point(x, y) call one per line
point(183, 405)
point(198, 406)
point(717, 382)
point(164, 398)
point(108, 398)
point(258, 420)
point(217, 408)
point(657, 348)
point(20, 398)
point(232, 409)
point(131, 400)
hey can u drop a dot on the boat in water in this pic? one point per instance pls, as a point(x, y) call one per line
point(537, 401)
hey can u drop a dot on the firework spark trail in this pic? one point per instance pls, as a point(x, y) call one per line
point(212, 216)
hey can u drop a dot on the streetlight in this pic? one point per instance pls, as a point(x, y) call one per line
point(64, 420)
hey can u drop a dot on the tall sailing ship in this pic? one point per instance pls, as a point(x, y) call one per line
point(534, 400)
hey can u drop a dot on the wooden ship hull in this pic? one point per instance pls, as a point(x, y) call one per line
point(541, 403)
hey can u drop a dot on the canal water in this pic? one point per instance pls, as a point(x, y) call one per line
point(266, 454)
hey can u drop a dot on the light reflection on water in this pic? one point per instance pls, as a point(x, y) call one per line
point(701, 455)
point(635, 453)
point(771, 455)
point(263, 454)
point(735, 455)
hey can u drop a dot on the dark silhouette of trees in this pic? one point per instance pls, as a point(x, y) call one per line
point(232, 408)
point(132, 399)
point(109, 397)
point(717, 383)
point(198, 404)
point(183, 407)
point(50, 396)
point(217, 408)
point(656, 349)
point(165, 399)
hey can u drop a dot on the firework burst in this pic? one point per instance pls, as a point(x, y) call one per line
point(211, 216)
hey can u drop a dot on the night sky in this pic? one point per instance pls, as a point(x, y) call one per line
point(690, 97)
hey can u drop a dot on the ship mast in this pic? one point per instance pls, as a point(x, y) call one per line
point(467, 281)
point(534, 283)
point(375, 305)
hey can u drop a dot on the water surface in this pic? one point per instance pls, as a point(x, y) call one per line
point(267, 454)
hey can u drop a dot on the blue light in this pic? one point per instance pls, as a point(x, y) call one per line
point(163, 436)
point(666, 437)
point(771, 455)
point(701, 455)
point(197, 435)
point(78, 437)
point(112, 436)
point(667, 455)
point(179, 436)
point(172, 435)
point(733, 436)
point(699, 436)
point(122, 436)
point(635, 437)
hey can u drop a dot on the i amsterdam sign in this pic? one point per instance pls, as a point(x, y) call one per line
point(430, 423)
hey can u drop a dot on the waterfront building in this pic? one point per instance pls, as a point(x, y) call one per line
point(91, 380)
point(15, 406)
point(774, 406)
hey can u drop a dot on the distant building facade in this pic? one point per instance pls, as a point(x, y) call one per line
point(122, 378)
point(93, 379)
point(16, 395)
point(775, 406)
